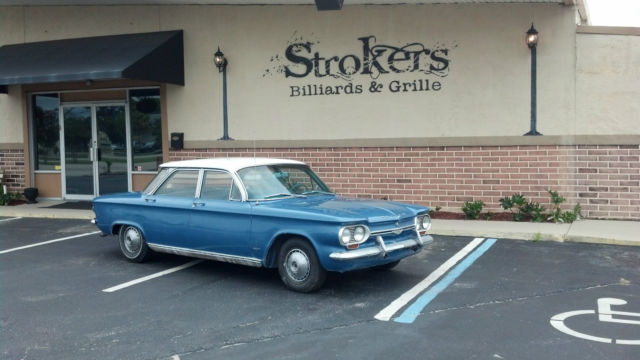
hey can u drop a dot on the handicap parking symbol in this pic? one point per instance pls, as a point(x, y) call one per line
point(605, 314)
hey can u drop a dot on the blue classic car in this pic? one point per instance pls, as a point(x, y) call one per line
point(261, 212)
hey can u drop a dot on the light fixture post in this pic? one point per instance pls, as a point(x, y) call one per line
point(221, 63)
point(532, 42)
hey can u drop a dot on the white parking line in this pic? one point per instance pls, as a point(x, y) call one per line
point(388, 312)
point(48, 242)
point(15, 218)
point(152, 276)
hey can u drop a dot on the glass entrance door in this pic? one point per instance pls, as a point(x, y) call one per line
point(95, 150)
point(111, 149)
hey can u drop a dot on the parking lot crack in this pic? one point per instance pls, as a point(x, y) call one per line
point(264, 339)
point(523, 298)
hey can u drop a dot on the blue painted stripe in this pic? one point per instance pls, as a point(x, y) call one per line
point(412, 312)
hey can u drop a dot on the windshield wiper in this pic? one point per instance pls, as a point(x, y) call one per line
point(317, 192)
point(280, 195)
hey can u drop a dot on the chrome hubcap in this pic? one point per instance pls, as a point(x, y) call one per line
point(132, 240)
point(297, 265)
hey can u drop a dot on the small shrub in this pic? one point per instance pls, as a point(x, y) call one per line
point(571, 215)
point(556, 200)
point(559, 216)
point(488, 215)
point(537, 212)
point(473, 209)
point(524, 208)
point(6, 199)
point(433, 212)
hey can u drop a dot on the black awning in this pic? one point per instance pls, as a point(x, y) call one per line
point(157, 56)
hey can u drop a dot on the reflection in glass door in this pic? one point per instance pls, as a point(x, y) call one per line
point(95, 150)
point(78, 151)
point(111, 149)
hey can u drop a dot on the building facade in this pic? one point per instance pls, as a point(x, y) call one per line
point(417, 102)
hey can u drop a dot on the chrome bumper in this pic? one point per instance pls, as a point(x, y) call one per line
point(382, 249)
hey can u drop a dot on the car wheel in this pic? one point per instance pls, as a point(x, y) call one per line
point(299, 267)
point(132, 244)
point(388, 266)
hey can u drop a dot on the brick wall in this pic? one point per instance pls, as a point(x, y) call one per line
point(12, 168)
point(603, 179)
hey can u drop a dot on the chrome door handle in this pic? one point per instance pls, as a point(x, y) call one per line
point(150, 200)
point(91, 154)
point(198, 203)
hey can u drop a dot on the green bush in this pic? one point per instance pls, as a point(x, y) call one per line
point(472, 209)
point(524, 208)
point(559, 216)
point(537, 212)
point(6, 199)
point(432, 212)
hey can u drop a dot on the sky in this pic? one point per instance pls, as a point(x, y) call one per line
point(614, 12)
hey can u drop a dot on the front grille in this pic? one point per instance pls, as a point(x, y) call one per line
point(394, 231)
point(397, 234)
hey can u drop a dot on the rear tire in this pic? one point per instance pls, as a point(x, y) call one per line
point(299, 267)
point(132, 244)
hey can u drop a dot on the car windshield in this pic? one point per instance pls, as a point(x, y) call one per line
point(281, 181)
point(157, 180)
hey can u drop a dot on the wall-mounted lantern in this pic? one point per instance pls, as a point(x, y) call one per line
point(532, 42)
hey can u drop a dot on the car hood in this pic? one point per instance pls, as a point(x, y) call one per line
point(348, 209)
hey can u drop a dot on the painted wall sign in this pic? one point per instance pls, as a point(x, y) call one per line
point(373, 68)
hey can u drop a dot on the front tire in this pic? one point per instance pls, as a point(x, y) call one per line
point(299, 267)
point(132, 244)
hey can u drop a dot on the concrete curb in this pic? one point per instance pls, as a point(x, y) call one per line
point(610, 232)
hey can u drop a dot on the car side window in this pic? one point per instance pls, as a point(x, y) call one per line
point(181, 183)
point(219, 185)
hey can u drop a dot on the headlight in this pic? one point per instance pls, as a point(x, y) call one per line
point(345, 236)
point(423, 222)
point(356, 234)
point(359, 234)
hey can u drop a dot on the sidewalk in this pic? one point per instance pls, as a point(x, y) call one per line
point(586, 231)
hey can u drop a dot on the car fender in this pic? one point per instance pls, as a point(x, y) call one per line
point(271, 250)
point(116, 224)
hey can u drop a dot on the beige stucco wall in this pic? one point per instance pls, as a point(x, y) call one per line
point(608, 84)
point(11, 121)
point(11, 31)
point(486, 91)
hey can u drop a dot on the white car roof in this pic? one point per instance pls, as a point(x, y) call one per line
point(229, 164)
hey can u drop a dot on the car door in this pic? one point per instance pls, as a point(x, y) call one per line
point(168, 209)
point(220, 220)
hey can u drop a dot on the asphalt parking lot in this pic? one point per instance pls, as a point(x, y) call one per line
point(78, 298)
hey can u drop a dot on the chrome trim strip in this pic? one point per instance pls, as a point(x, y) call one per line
point(393, 231)
point(208, 255)
point(382, 249)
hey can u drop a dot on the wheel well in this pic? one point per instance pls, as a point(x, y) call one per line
point(272, 255)
point(116, 229)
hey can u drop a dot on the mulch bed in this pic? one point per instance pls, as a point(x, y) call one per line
point(504, 216)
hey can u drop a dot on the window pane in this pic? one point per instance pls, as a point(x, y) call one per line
point(180, 183)
point(146, 129)
point(46, 131)
point(217, 185)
